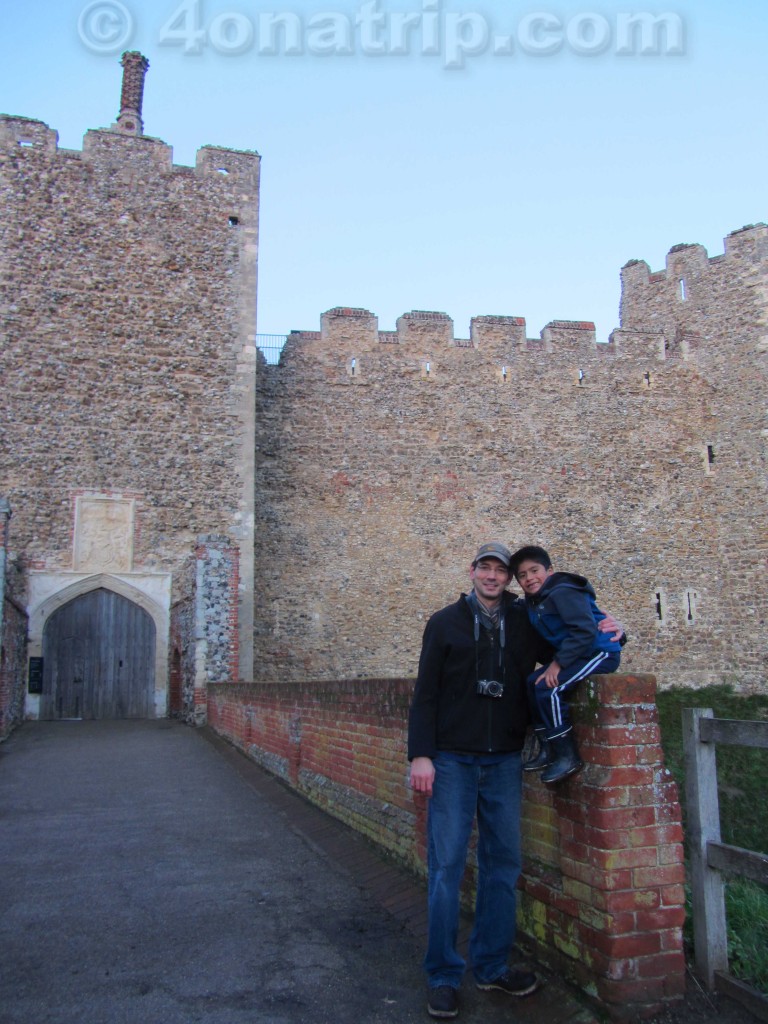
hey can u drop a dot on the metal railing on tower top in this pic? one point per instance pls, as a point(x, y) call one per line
point(271, 345)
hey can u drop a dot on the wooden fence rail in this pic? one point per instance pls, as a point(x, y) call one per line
point(710, 857)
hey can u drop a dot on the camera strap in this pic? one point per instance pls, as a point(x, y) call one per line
point(481, 613)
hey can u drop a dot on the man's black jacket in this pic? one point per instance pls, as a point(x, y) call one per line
point(446, 711)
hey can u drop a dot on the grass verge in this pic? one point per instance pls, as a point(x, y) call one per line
point(741, 778)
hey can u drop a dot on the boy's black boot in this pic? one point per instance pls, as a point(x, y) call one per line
point(566, 760)
point(544, 756)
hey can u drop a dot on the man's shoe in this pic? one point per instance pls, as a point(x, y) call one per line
point(514, 983)
point(443, 1001)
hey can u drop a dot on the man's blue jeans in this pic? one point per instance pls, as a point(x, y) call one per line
point(493, 792)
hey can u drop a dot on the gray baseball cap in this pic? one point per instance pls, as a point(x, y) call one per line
point(494, 549)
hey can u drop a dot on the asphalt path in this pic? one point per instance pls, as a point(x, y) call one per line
point(150, 874)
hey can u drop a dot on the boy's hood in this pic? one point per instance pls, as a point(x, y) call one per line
point(571, 580)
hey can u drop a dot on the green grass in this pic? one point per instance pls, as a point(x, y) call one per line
point(747, 913)
point(741, 776)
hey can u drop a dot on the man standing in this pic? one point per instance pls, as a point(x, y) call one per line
point(467, 726)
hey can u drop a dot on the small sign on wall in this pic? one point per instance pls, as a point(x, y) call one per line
point(35, 675)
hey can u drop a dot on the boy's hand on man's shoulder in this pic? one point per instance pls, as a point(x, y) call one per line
point(611, 625)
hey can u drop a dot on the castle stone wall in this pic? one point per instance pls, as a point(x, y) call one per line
point(13, 665)
point(714, 312)
point(363, 470)
point(384, 458)
point(183, 645)
point(14, 623)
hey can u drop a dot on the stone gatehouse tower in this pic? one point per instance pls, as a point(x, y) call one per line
point(127, 337)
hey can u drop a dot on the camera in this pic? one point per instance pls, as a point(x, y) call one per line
point(490, 688)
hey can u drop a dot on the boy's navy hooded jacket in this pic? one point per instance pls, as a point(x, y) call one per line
point(565, 613)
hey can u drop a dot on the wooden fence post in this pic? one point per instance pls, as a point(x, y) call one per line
point(703, 826)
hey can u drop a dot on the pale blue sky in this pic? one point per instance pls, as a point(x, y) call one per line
point(517, 184)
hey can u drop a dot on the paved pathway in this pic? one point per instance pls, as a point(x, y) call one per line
point(151, 874)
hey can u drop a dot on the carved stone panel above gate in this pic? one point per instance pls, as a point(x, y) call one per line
point(103, 534)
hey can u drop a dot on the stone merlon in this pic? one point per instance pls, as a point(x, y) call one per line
point(350, 331)
point(132, 153)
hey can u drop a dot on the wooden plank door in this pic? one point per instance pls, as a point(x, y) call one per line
point(98, 659)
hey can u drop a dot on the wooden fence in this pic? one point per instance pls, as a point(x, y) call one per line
point(711, 859)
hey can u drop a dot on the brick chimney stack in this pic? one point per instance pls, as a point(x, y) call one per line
point(134, 66)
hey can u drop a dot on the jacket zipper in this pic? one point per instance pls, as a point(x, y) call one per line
point(490, 700)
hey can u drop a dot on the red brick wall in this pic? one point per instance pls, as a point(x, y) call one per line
point(340, 744)
point(602, 893)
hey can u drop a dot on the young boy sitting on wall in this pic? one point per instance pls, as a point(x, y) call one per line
point(562, 609)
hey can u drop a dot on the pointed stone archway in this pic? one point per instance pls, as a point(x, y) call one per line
point(98, 659)
point(103, 640)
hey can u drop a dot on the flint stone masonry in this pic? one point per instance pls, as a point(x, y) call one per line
point(183, 647)
point(14, 623)
point(216, 591)
point(13, 670)
point(127, 326)
point(300, 522)
point(384, 458)
point(379, 459)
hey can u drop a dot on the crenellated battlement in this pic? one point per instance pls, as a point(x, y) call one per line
point(124, 146)
point(238, 165)
point(27, 133)
point(110, 149)
point(694, 286)
point(497, 331)
point(666, 315)
point(749, 242)
point(350, 333)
